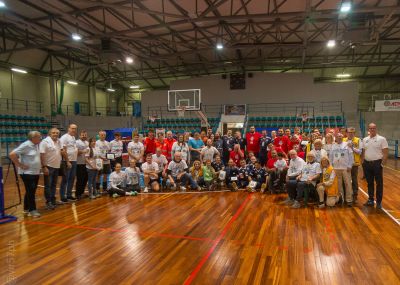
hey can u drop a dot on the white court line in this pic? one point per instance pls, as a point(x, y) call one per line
point(397, 221)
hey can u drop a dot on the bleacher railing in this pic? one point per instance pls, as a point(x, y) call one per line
point(99, 111)
point(296, 108)
point(17, 105)
point(162, 112)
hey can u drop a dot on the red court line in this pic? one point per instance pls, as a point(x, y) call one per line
point(143, 234)
point(195, 271)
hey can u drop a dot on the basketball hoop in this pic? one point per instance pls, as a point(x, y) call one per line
point(181, 111)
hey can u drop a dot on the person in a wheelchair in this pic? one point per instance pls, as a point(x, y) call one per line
point(307, 179)
point(328, 185)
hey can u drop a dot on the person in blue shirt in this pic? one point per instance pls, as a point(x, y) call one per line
point(243, 179)
point(231, 177)
point(195, 146)
point(27, 158)
point(265, 140)
point(259, 176)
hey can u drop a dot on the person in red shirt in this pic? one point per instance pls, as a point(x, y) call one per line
point(294, 140)
point(253, 141)
point(150, 143)
point(236, 155)
point(168, 142)
point(282, 141)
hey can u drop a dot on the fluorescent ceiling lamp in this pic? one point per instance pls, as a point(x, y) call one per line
point(346, 7)
point(72, 82)
point(134, 86)
point(129, 60)
point(331, 43)
point(2, 4)
point(76, 37)
point(110, 90)
point(343, 75)
point(19, 70)
point(220, 46)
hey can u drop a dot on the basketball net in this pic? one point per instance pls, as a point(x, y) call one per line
point(181, 111)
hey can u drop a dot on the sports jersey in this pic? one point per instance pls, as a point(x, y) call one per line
point(175, 168)
point(160, 160)
point(103, 147)
point(217, 166)
point(116, 148)
point(132, 175)
point(136, 149)
point(231, 172)
point(253, 142)
point(236, 157)
point(150, 145)
point(228, 144)
point(117, 180)
point(243, 174)
point(282, 142)
point(259, 175)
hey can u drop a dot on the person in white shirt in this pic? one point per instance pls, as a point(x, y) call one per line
point(27, 158)
point(93, 164)
point(68, 142)
point(117, 184)
point(81, 172)
point(116, 148)
point(103, 147)
point(310, 173)
point(374, 157)
point(342, 159)
point(178, 173)
point(318, 151)
point(182, 147)
point(50, 155)
point(136, 150)
point(296, 165)
point(132, 177)
point(150, 170)
point(209, 152)
point(162, 162)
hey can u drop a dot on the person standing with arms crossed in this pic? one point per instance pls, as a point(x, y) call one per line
point(374, 157)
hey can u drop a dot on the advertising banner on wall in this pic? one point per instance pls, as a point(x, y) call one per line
point(235, 109)
point(387, 105)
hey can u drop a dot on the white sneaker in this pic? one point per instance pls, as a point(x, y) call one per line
point(183, 189)
point(34, 214)
point(146, 190)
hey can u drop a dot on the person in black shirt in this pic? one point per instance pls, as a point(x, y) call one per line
point(219, 143)
point(240, 141)
point(231, 177)
point(228, 144)
point(259, 176)
point(218, 165)
point(265, 140)
point(243, 180)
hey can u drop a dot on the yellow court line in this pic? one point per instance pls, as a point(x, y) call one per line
point(391, 168)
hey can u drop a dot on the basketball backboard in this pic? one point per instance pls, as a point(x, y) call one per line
point(190, 99)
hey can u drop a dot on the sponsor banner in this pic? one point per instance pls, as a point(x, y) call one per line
point(387, 105)
point(235, 110)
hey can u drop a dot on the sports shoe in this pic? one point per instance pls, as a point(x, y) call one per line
point(321, 205)
point(349, 204)
point(183, 189)
point(98, 195)
point(288, 200)
point(146, 190)
point(63, 201)
point(370, 203)
point(26, 212)
point(34, 214)
point(115, 195)
point(379, 205)
point(234, 186)
point(72, 199)
point(198, 188)
point(49, 206)
point(134, 193)
point(92, 197)
point(296, 205)
point(263, 187)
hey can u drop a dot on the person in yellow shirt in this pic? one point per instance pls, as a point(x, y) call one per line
point(328, 185)
point(355, 144)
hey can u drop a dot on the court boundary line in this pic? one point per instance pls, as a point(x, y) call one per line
point(204, 259)
point(397, 221)
point(391, 168)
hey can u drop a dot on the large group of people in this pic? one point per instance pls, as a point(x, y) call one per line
point(306, 166)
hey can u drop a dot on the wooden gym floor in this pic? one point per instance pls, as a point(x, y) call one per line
point(206, 238)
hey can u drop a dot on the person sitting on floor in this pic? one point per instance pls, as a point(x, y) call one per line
point(178, 173)
point(209, 176)
point(219, 167)
point(196, 171)
point(116, 186)
point(231, 177)
point(132, 177)
point(329, 185)
point(309, 175)
point(257, 178)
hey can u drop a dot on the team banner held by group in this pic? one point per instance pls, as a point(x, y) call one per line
point(387, 105)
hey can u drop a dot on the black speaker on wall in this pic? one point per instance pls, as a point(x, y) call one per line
point(237, 81)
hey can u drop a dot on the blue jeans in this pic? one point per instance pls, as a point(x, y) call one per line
point(92, 174)
point(184, 179)
point(50, 183)
point(67, 181)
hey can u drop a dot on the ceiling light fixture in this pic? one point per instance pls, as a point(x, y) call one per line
point(2, 4)
point(129, 60)
point(110, 89)
point(345, 7)
point(343, 75)
point(76, 37)
point(220, 46)
point(331, 43)
point(72, 82)
point(134, 86)
point(19, 70)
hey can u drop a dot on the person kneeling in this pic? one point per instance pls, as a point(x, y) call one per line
point(329, 185)
point(307, 179)
point(243, 179)
point(150, 170)
point(258, 178)
point(178, 173)
point(231, 177)
point(196, 171)
point(117, 183)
